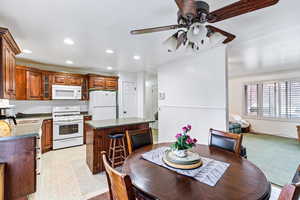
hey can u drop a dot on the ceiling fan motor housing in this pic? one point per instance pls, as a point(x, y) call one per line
point(202, 7)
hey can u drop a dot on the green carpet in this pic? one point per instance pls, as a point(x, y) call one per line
point(277, 157)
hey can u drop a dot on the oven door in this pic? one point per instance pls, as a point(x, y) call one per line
point(67, 129)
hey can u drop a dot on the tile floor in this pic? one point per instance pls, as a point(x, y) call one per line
point(65, 176)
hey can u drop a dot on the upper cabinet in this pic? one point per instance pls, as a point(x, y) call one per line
point(47, 85)
point(36, 84)
point(99, 82)
point(29, 83)
point(8, 50)
point(67, 79)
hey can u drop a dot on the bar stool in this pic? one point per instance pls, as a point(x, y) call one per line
point(117, 150)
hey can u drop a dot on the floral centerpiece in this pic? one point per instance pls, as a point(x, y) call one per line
point(184, 142)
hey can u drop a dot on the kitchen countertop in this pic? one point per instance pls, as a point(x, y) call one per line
point(43, 116)
point(110, 123)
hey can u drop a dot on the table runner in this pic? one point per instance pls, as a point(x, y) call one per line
point(209, 173)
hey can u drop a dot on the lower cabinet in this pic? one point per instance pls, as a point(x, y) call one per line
point(47, 135)
point(86, 118)
point(19, 156)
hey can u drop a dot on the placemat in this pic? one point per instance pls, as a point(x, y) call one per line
point(209, 173)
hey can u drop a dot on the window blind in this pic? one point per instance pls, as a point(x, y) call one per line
point(278, 99)
point(251, 99)
point(268, 103)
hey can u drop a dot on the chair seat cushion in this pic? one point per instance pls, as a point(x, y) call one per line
point(116, 136)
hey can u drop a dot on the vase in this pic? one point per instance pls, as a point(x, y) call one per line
point(180, 153)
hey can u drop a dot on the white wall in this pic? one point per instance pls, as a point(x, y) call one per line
point(280, 128)
point(195, 93)
point(32, 107)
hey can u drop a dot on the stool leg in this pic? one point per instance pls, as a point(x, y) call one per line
point(124, 149)
point(113, 154)
point(110, 149)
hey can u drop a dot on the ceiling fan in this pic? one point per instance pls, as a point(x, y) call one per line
point(193, 16)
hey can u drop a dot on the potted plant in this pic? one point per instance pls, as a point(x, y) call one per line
point(184, 142)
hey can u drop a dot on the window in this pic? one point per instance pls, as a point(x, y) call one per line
point(251, 97)
point(277, 99)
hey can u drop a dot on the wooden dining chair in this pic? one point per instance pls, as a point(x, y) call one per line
point(120, 186)
point(138, 138)
point(227, 141)
point(291, 191)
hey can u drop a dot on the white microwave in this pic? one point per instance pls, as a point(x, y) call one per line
point(66, 92)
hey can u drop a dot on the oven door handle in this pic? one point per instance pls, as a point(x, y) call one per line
point(67, 122)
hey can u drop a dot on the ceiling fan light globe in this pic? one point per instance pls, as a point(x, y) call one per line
point(216, 38)
point(197, 33)
point(171, 43)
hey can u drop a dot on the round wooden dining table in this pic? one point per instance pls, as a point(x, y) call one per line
point(241, 181)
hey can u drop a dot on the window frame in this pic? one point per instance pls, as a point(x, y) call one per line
point(277, 98)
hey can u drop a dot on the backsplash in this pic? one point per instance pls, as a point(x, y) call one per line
point(34, 107)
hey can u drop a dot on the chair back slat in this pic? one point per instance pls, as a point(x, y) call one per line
point(227, 141)
point(138, 138)
point(120, 185)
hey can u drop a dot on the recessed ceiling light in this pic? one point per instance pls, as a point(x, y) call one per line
point(70, 62)
point(26, 51)
point(109, 68)
point(109, 51)
point(68, 41)
point(136, 57)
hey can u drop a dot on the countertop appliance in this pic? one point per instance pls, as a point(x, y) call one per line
point(66, 92)
point(67, 127)
point(103, 105)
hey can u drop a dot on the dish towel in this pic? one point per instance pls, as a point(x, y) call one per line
point(209, 173)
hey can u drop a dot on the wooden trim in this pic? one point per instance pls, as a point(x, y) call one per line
point(237, 137)
point(104, 76)
point(10, 40)
point(2, 181)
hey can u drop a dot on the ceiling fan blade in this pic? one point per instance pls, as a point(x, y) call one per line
point(156, 29)
point(239, 8)
point(229, 36)
point(187, 7)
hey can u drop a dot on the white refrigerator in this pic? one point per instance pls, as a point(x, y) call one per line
point(103, 105)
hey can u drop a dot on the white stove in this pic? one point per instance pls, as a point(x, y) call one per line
point(67, 127)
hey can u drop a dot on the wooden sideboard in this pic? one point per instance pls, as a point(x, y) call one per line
point(97, 141)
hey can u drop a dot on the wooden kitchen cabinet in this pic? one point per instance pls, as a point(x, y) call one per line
point(60, 79)
point(47, 135)
point(67, 79)
point(86, 118)
point(47, 85)
point(99, 82)
point(34, 85)
point(85, 88)
point(8, 50)
point(29, 83)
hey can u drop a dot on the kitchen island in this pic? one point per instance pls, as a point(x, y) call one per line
point(97, 137)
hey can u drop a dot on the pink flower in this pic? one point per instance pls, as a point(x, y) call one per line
point(189, 127)
point(184, 129)
point(178, 135)
point(195, 140)
point(189, 141)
